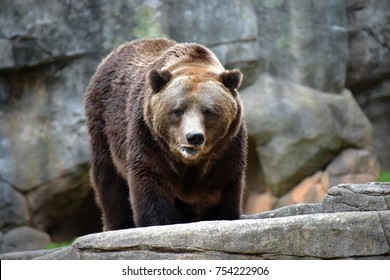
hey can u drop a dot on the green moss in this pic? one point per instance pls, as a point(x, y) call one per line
point(54, 245)
point(147, 25)
point(384, 176)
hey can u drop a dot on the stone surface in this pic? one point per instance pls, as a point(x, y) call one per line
point(304, 41)
point(317, 236)
point(369, 41)
point(369, 67)
point(293, 232)
point(375, 102)
point(52, 201)
point(287, 211)
point(42, 123)
point(353, 165)
point(231, 32)
point(311, 190)
point(13, 207)
point(23, 239)
point(40, 33)
point(363, 197)
point(298, 130)
point(304, 237)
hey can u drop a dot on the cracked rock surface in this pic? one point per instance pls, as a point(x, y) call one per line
point(353, 222)
point(359, 197)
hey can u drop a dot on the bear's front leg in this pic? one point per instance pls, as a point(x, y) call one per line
point(229, 205)
point(152, 204)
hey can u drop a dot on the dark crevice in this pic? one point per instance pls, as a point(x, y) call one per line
point(370, 32)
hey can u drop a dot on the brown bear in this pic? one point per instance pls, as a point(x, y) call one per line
point(167, 134)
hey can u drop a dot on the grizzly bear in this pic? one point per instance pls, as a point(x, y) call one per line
point(167, 135)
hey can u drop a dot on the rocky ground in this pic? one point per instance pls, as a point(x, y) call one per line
point(353, 222)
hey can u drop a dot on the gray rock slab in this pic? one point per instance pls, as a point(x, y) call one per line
point(28, 255)
point(358, 197)
point(293, 232)
point(316, 236)
point(286, 211)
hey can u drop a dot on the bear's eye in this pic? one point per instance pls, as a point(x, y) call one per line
point(209, 114)
point(178, 113)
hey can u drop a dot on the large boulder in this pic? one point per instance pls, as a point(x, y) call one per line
point(352, 223)
point(23, 238)
point(299, 130)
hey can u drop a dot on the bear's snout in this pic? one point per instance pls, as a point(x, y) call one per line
point(195, 138)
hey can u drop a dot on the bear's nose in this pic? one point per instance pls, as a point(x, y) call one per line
point(195, 138)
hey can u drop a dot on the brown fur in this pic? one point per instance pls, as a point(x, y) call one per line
point(167, 133)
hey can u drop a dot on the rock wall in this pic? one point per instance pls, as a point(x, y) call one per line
point(368, 74)
point(307, 133)
point(353, 222)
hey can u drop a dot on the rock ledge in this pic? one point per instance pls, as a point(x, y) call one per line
point(353, 222)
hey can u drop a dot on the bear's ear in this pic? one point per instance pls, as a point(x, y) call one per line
point(158, 79)
point(231, 79)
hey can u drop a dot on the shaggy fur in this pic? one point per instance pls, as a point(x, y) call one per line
point(168, 140)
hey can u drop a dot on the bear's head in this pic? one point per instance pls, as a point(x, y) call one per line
point(193, 109)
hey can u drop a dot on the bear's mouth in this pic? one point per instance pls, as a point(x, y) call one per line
point(188, 151)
